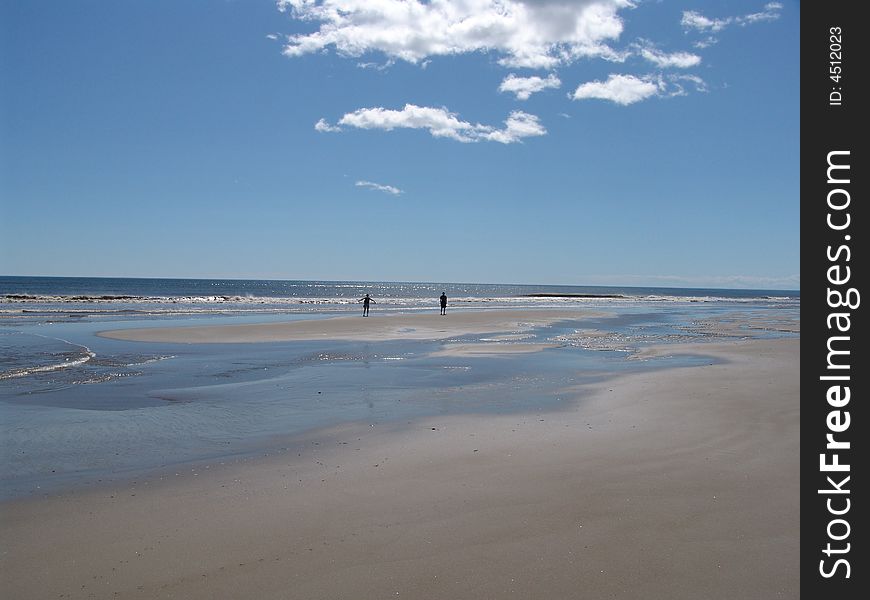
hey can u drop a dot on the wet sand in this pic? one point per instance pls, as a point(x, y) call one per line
point(491, 349)
point(378, 328)
point(668, 484)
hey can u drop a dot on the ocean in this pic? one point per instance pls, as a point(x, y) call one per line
point(76, 408)
point(106, 297)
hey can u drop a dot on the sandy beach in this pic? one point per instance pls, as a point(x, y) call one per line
point(668, 484)
point(424, 299)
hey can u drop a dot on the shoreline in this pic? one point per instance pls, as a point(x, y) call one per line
point(674, 483)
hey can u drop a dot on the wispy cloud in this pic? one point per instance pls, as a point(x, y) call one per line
point(708, 41)
point(695, 21)
point(324, 127)
point(389, 189)
point(526, 33)
point(376, 66)
point(679, 83)
point(524, 87)
point(770, 13)
point(440, 123)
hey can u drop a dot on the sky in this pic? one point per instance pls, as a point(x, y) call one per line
point(586, 142)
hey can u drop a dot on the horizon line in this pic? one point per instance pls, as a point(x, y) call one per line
point(675, 287)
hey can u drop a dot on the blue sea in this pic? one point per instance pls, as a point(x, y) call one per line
point(74, 297)
point(76, 408)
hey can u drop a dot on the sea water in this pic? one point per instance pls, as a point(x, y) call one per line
point(76, 407)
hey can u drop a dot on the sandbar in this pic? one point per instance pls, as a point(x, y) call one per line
point(408, 326)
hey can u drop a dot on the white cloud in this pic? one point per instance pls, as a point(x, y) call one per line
point(272, 36)
point(524, 87)
point(389, 189)
point(695, 20)
point(770, 13)
point(527, 33)
point(706, 42)
point(439, 122)
point(677, 82)
point(376, 66)
point(679, 60)
point(621, 89)
point(518, 125)
point(628, 89)
point(324, 127)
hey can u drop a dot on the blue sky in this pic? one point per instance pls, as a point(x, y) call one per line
point(536, 141)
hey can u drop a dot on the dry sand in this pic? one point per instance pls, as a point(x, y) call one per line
point(678, 484)
point(398, 326)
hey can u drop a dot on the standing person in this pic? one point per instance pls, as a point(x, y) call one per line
point(443, 303)
point(365, 302)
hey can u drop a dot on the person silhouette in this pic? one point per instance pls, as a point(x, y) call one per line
point(365, 302)
point(443, 303)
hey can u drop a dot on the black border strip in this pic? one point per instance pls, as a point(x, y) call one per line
point(833, 262)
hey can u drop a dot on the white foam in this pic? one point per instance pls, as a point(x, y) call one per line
point(66, 364)
point(24, 371)
point(250, 304)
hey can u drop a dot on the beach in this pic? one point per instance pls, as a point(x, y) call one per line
point(669, 483)
point(424, 299)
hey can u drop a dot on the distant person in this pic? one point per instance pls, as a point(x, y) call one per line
point(443, 303)
point(365, 302)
